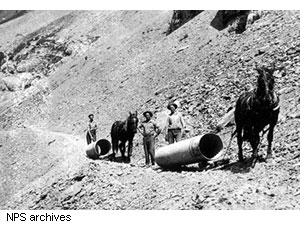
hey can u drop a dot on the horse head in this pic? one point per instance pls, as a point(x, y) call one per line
point(132, 122)
point(265, 83)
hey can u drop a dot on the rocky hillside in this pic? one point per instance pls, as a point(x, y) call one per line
point(112, 62)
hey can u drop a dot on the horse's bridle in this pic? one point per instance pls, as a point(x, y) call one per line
point(129, 121)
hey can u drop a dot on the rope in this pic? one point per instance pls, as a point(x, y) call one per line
point(233, 133)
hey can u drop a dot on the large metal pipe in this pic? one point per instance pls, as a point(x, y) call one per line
point(193, 150)
point(97, 148)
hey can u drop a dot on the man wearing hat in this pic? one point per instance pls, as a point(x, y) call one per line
point(175, 124)
point(91, 131)
point(150, 131)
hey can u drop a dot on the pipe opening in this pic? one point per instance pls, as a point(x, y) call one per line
point(210, 145)
point(102, 146)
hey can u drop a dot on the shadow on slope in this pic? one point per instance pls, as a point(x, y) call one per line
point(8, 15)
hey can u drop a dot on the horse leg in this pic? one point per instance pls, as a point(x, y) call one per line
point(240, 144)
point(129, 149)
point(254, 144)
point(114, 142)
point(270, 139)
point(122, 149)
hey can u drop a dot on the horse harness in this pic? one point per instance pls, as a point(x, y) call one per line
point(275, 105)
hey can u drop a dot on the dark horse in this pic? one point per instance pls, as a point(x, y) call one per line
point(254, 111)
point(124, 131)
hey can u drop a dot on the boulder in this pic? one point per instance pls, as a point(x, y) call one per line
point(26, 79)
point(20, 81)
point(13, 83)
point(3, 86)
point(180, 17)
point(234, 20)
point(253, 16)
point(2, 58)
point(27, 65)
point(8, 67)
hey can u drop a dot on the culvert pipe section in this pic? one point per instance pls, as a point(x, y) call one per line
point(97, 148)
point(206, 147)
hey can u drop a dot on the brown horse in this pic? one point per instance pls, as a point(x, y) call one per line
point(124, 131)
point(254, 111)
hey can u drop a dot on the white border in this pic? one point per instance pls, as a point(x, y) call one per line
point(183, 220)
point(149, 5)
point(137, 220)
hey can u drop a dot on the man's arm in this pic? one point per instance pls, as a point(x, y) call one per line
point(157, 129)
point(89, 132)
point(141, 129)
point(169, 121)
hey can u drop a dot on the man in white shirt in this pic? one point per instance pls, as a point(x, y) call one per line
point(175, 124)
point(91, 131)
point(150, 130)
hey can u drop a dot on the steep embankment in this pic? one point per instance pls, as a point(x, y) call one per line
point(124, 61)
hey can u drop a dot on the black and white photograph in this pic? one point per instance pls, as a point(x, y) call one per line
point(149, 110)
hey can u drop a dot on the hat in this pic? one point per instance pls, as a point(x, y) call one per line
point(90, 115)
point(172, 103)
point(151, 114)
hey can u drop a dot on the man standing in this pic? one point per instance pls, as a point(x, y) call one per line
point(150, 131)
point(91, 131)
point(175, 124)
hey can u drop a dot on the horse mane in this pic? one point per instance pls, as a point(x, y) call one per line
point(266, 75)
point(125, 123)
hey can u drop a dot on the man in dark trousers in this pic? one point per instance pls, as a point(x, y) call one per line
point(91, 131)
point(150, 131)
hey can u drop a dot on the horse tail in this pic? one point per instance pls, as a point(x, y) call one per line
point(114, 141)
point(115, 135)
